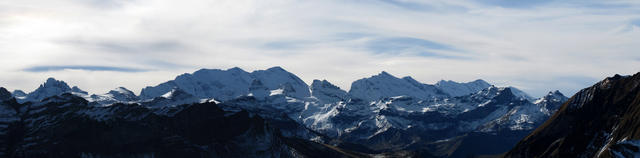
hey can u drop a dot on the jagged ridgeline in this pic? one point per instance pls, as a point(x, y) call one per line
point(271, 113)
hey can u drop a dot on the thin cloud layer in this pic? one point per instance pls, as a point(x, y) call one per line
point(82, 67)
point(536, 46)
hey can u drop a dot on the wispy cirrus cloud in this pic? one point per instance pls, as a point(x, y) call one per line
point(82, 67)
point(121, 46)
point(413, 47)
point(516, 3)
point(529, 44)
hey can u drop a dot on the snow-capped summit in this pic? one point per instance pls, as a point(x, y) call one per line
point(492, 91)
point(52, 87)
point(424, 87)
point(488, 92)
point(552, 96)
point(4, 94)
point(278, 78)
point(459, 89)
point(206, 83)
point(506, 94)
point(117, 95)
point(123, 94)
point(551, 102)
point(327, 92)
point(230, 84)
point(385, 85)
point(555, 96)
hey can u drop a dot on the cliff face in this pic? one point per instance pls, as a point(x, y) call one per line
point(595, 122)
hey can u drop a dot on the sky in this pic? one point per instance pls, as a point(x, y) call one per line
point(537, 46)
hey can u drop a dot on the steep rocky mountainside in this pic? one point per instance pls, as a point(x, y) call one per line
point(600, 121)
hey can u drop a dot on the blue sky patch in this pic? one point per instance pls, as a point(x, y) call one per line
point(636, 22)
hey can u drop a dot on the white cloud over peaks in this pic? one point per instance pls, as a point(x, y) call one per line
point(538, 47)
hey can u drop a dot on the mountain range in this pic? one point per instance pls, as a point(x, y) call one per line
point(273, 113)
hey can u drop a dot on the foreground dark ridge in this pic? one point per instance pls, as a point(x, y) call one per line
point(65, 126)
point(600, 121)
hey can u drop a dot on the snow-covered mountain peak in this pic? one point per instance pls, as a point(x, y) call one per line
point(121, 90)
point(385, 76)
point(117, 95)
point(381, 77)
point(554, 95)
point(385, 85)
point(50, 88)
point(476, 82)
point(327, 92)
point(53, 83)
point(551, 102)
point(205, 83)
point(489, 91)
point(208, 73)
point(229, 84)
point(123, 94)
point(218, 75)
point(498, 93)
point(459, 89)
point(505, 93)
point(278, 78)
